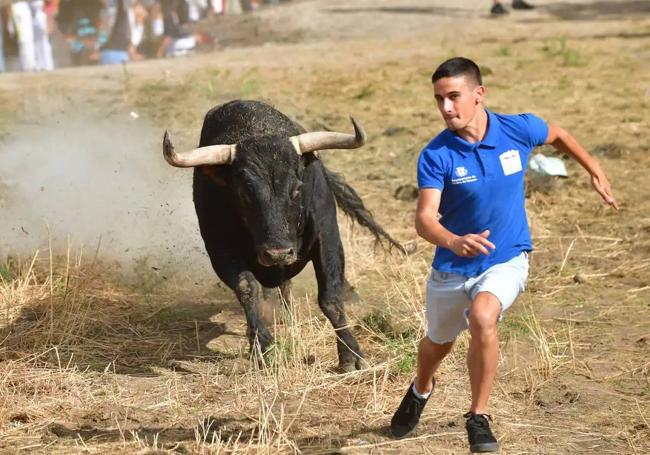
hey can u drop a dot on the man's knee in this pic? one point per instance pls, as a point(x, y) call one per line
point(484, 313)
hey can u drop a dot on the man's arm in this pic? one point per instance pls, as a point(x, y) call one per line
point(429, 228)
point(565, 143)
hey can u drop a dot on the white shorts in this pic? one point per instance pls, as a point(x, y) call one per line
point(449, 295)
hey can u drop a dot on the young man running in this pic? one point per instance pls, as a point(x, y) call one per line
point(472, 174)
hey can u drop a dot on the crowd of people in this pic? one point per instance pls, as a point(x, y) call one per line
point(104, 31)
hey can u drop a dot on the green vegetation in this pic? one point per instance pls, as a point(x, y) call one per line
point(504, 51)
point(400, 343)
point(514, 325)
point(366, 92)
point(568, 56)
point(5, 273)
point(250, 87)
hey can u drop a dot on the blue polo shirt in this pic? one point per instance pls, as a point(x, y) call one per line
point(482, 188)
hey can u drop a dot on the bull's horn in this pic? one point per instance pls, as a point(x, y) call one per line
point(202, 156)
point(320, 140)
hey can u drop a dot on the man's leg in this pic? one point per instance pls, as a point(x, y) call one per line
point(497, 8)
point(430, 356)
point(482, 359)
point(506, 281)
point(522, 4)
point(483, 353)
point(446, 303)
point(408, 413)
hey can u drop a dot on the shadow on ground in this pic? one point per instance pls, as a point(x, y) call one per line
point(435, 11)
point(598, 10)
point(210, 429)
point(214, 429)
point(134, 334)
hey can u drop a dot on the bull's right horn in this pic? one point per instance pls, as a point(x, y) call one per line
point(202, 156)
point(320, 140)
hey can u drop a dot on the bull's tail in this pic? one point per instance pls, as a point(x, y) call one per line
point(352, 205)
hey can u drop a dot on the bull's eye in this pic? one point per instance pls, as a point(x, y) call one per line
point(245, 197)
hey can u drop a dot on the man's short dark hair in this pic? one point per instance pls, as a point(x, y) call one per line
point(458, 66)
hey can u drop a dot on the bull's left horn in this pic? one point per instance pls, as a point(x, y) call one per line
point(202, 156)
point(320, 140)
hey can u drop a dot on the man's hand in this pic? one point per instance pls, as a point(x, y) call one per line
point(601, 185)
point(471, 245)
point(565, 143)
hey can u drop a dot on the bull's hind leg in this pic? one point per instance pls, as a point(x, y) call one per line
point(329, 265)
point(280, 294)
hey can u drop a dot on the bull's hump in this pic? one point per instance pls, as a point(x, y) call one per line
point(249, 118)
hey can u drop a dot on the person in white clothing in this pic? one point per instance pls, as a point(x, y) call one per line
point(22, 27)
point(2, 53)
point(43, 58)
point(29, 25)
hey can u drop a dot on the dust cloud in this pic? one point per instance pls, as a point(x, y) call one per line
point(97, 185)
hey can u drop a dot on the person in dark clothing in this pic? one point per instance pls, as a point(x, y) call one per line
point(79, 21)
point(183, 11)
point(119, 48)
point(178, 39)
point(498, 9)
point(71, 11)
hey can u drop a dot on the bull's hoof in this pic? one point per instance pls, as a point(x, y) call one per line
point(347, 367)
point(262, 357)
point(261, 346)
point(361, 364)
point(351, 366)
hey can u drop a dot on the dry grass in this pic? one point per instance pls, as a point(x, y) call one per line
point(92, 363)
point(92, 366)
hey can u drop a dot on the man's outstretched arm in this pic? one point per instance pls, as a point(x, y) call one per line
point(566, 143)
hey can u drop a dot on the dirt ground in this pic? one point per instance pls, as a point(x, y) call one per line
point(101, 354)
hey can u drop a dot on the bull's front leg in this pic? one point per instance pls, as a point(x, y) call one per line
point(329, 264)
point(247, 290)
point(235, 274)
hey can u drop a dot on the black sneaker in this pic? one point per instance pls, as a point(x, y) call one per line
point(521, 4)
point(498, 10)
point(479, 434)
point(407, 416)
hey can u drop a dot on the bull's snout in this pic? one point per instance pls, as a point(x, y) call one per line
point(276, 256)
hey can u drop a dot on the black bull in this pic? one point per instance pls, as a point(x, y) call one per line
point(266, 206)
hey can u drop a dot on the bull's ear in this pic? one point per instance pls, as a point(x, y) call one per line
point(216, 175)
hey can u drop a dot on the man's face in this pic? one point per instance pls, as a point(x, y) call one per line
point(458, 99)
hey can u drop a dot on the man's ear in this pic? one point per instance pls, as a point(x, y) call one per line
point(479, 92)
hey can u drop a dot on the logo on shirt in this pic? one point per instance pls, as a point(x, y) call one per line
point(462, 177)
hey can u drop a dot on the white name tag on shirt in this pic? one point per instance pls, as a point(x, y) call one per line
point(510, 162)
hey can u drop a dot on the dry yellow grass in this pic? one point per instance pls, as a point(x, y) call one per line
point(93, 363)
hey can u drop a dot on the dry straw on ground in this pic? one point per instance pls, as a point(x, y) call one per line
point(91, 362)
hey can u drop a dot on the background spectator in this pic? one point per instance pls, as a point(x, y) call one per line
point(80, 22)
point(119, 47)
point(22, 27)
point(42, 47)
point(498, 8)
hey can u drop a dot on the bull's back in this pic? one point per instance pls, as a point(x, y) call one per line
point(237, 120)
